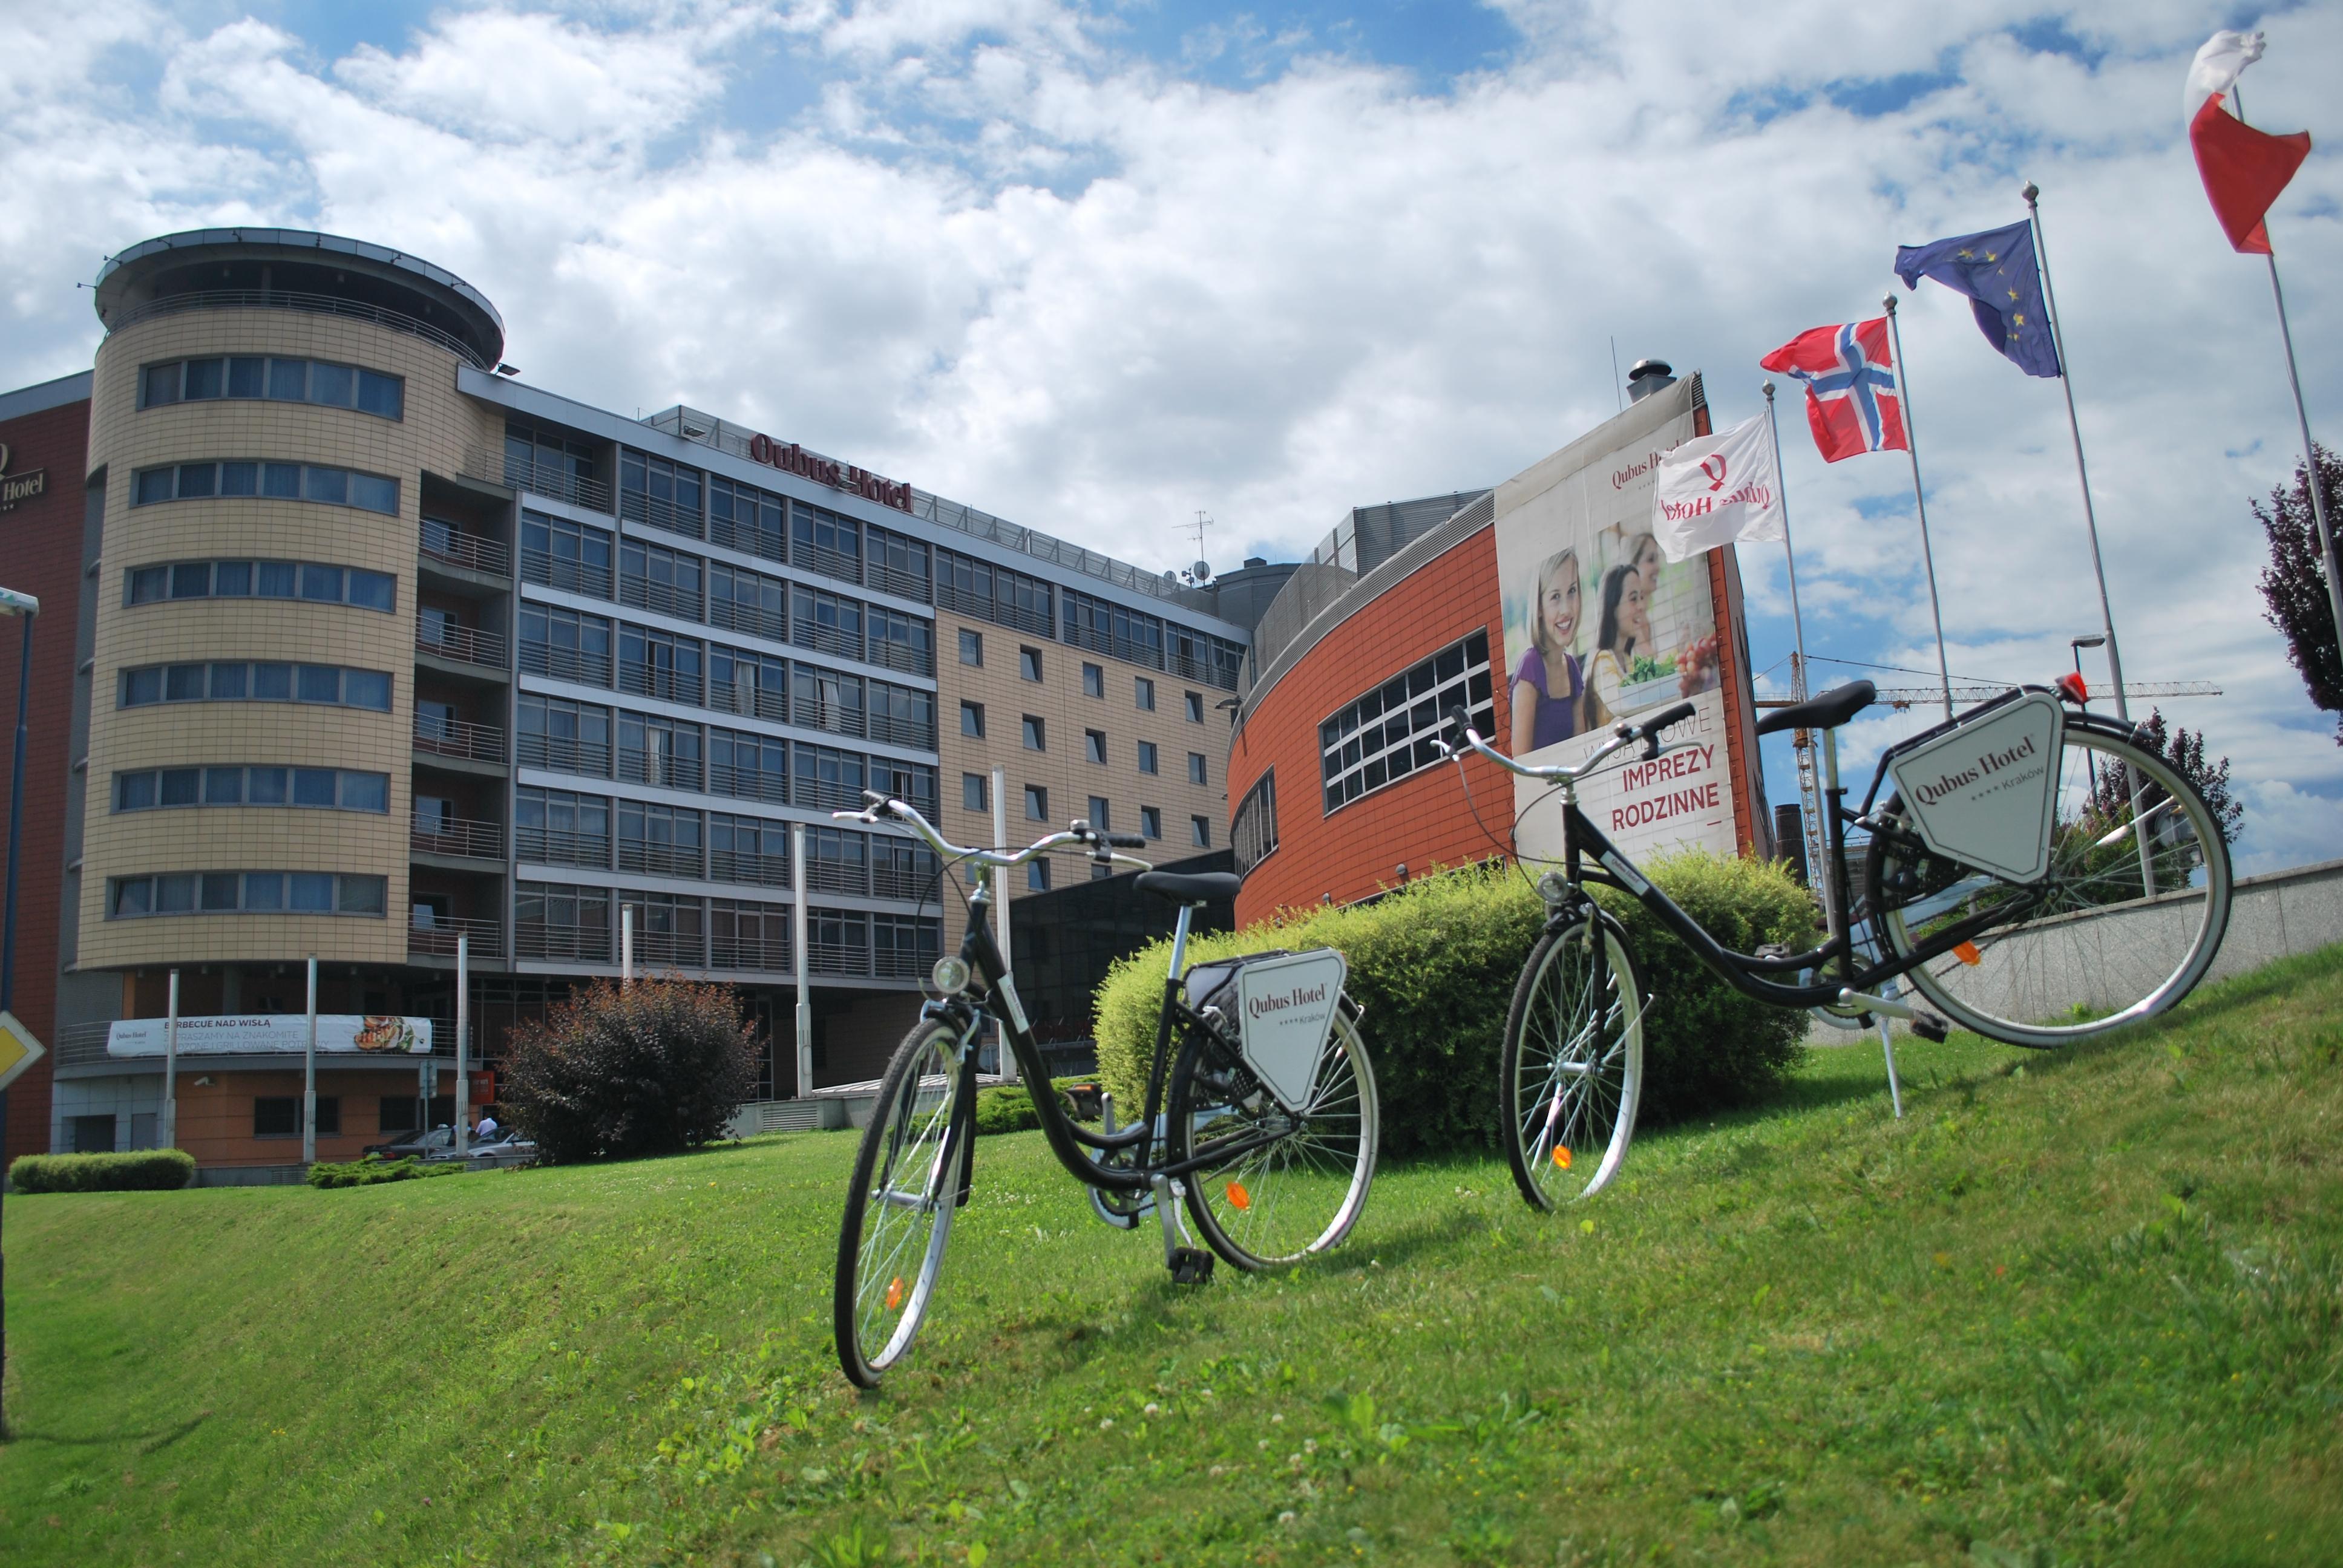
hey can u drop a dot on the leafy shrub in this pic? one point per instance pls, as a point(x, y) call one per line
point(1434, 965)
point(140, 1170)
point(371, 1171)
point(1009, 1107)
point(618, 1072)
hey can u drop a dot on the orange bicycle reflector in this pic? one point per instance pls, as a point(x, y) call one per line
point(1237, 1196)
point(894, 1293)
point(1561, 1156)
point(1968, 953)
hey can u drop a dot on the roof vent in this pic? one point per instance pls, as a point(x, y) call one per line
point(1648, 377)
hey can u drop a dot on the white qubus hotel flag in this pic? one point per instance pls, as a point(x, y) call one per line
point(1715, 489)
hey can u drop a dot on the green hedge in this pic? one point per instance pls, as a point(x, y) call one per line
point(1434, 965)
point(141, 1170)
point(371, 1171)
point(1008, 1108)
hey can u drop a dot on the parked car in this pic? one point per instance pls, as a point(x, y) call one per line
point(508, 1147)
point(437, 1143)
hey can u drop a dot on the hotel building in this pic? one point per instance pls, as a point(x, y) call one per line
point(380, 646)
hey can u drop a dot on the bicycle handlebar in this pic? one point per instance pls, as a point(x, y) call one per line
point(1625, 735)
point(881, 807)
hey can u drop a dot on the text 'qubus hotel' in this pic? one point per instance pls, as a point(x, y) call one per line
point(377, 648)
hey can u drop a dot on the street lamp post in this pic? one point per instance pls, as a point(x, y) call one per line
point(27, 609)
point(2077, 644)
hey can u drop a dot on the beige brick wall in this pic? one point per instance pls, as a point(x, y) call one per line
point(1058, 700)
point(439, 432)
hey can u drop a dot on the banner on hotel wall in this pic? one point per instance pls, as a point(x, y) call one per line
point(1601, 627)
point(275, 1034)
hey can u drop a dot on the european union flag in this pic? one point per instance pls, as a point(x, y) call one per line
point(1995, 269)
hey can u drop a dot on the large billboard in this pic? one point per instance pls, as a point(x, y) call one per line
point(1600, 627)
point(274, 1034)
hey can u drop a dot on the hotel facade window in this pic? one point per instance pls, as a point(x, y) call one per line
point(1390, 732)
point(318, 381)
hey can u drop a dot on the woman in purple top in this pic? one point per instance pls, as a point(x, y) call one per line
point(1548, 687)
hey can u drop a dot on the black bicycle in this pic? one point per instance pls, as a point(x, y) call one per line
point(2033, 871)
point(1260, 1118)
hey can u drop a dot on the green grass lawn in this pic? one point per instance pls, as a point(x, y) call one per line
point(2083, 1308)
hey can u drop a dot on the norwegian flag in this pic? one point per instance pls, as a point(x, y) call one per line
point(1852, 400)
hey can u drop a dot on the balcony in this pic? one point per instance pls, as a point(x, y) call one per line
point(837, 957)
point(665, 599)
point(457, 737)
point(832, 717)
point(565, 754)
point(569, 575)
point(902, 963)
point(754, 619)
point(437, 938)
point(764, 784)
point(831, 563)
point(820, 794)
point(550, 480)
point(585, 666)
point(753, 538)
point(460, 644)
point(902, 656)
point(917, 733)
point(670, 950)
point(826, 876)
point(669, 685)
point(768, 955)
point(659, 859)
point(894, 580)
point(572, 944)
point(891, 880)
point(562, 846)
point(645, 766)
point(747, 700)
point(660, 513)
point(830, 640)
point(283, 300)
point(445, 542)
point(752, 871)
point(458, 837)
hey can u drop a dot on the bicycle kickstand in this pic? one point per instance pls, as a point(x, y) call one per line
point(1189, 1265)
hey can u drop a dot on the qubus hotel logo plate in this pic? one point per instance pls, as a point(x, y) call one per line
point(1287, 1009)
point(16, 489)
point(1986, 794)
point(791, 458)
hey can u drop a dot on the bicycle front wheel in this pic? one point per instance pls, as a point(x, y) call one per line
point(2124, 925)
point(1573, 1065)
point(1291, 1185)
point(900, 1201)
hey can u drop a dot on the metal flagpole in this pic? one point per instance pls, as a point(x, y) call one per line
point(1920, 500)
point(171, 1070)
point(2066, 381)
point(1809, 795)
point(2033, 193)
point(463, 1024)
point(309, 1076)
point(1004, 1058)
point(2302, 417)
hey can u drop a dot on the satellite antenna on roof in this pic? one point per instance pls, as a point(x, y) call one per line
point(1202, 571)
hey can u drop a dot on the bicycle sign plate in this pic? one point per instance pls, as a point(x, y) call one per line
point(1286, 1008)
point(1984, 793)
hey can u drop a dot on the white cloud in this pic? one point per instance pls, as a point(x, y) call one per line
point(996, 253)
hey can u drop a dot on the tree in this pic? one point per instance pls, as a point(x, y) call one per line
point(2111, 801)
point(2293, 585)
point(620, 1071)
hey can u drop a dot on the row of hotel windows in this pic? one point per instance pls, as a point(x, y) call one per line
point(1393, 731)
point(668, 496)
point(976, 795)
point(568, 737)
point(277, 380)
point(559, 828)
point(279, 481)
point(573, 645)
point(1034, 731)
point(327, 684)
point(556, 922)
point(246, 892)
point(1028, 668)
point(739, 682)
point(328, 789)
point(309, 580)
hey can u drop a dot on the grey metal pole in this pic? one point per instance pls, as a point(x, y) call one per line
point(1816, 838)
point(171, 1069)
point(2302, 417)
point(309, 1076)
point(625, 944)
point(799, 924)
point(1920, 501)
point(1005, 1063)
point(28, 607)
point(463, 1024)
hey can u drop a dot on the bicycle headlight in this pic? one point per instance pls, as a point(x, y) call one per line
point(950, 975)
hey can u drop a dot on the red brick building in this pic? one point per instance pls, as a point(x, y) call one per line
point(44, 430)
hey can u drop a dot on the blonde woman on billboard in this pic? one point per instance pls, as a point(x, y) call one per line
point(1549, 687)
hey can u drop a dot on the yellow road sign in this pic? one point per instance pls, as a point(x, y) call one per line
point(18, 1048)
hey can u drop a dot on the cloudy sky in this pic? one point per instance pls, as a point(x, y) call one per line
point(1094, 268)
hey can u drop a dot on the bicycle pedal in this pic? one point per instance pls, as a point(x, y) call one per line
point(1190, 1266)
point(1929, 1027)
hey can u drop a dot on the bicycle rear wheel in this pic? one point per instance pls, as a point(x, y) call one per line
point(2125, 924)
point(1573, 1064)
point(1299, 1192)
point(900, 1201)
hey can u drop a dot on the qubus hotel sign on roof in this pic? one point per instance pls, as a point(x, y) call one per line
point(791, 458)
point(15, 489)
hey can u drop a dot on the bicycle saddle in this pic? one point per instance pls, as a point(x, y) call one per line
point(1828, 711)
point(1200, 888)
